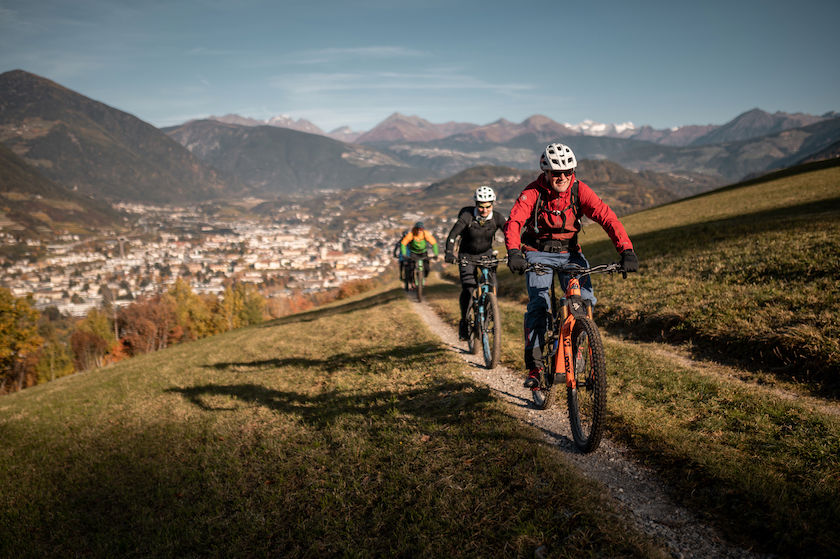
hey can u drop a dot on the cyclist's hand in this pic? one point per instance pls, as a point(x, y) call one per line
point(629, 261)
point(516, 262)
point(449, 258)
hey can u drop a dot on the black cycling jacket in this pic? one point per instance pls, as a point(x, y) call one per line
point(476, 238)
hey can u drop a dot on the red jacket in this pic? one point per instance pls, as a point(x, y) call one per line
point(555, 207)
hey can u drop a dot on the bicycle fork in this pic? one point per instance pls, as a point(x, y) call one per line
point(566, 341)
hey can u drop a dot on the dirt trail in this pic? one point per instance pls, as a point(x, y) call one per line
point(638, 490)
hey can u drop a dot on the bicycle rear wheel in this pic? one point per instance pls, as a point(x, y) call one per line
point(418, 280)
point(491, 331)
point(544, 396)
point(588, 400)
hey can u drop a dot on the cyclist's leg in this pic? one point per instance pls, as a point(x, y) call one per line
point(537, 311)
point(426, 267)
point(409, 270)
point(466, 274)
point(468, 284)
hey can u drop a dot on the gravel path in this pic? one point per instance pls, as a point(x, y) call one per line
point(635, 487)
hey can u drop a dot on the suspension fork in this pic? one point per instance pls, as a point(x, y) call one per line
point(566, 344)
point(573, 289)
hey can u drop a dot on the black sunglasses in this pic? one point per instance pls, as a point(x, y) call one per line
point(485, 206)
point(566, 173)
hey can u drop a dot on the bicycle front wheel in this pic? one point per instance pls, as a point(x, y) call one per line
point(588, 400)
point(544, 396)
point(491, 331)
point(418, 280)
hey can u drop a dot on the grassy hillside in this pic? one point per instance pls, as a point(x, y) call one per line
point(30, 203)
point(747, 274)
point(347, 431)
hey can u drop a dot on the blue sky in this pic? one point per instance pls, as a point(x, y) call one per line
point(662, 63)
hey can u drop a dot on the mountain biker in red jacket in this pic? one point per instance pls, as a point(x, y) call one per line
point(543, 228)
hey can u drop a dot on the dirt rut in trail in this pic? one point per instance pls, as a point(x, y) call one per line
point(641, 494)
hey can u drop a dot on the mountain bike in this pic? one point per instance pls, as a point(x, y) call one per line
point(483, 318)
point(416, 280)
point(573, 348)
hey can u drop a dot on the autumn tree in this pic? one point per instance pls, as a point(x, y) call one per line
point(92, 339)
point(148, 324)
point(192, 313)
point(240, 305)
point(19, 342)
point(56, 356)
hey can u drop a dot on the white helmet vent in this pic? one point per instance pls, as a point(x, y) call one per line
point(484, 194)
point(557, 157)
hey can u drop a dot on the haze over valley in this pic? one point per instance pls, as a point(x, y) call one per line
point(92, 191)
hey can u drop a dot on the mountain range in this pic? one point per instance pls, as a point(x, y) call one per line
point(96, 151)
point(402, 128)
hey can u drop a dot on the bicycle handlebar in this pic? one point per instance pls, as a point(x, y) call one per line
point(576, 271)
point(485, 261)
point(415, 256)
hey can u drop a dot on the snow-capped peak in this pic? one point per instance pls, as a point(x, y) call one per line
point(591, 128)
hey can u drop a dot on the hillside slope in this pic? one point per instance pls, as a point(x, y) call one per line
point(100, 151)
point(272, 160)
point(330, 433)
point(31, 202)
point(748, 272)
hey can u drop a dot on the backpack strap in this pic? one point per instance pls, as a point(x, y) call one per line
point(537, 207)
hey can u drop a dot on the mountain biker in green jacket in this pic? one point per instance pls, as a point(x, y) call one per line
point(477, 226)
point(417, 243)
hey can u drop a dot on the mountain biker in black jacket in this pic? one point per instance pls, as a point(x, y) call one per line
point(397, 253)
point(476, 225)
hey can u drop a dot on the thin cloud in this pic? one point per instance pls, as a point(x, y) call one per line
point(372, 81)
point(204, 51)
point(332, 55)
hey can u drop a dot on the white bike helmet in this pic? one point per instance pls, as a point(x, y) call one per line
point(484, 194)
point(557, 157)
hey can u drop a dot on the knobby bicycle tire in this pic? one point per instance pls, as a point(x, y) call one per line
point(544, 397)
point(588, 401)
point(473, 336)
point(491, 331)
point(418, 281)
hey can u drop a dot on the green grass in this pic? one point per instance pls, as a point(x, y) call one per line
point(346, 431)
point(761, 464)
point(747, 276)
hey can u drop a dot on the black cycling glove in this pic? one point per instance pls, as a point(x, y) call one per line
point(516, 262)
point(449, 258)
point(629, 261)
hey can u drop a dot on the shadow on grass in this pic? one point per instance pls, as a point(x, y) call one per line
point(404, 355)
point(440, 399)
point(444, 402)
